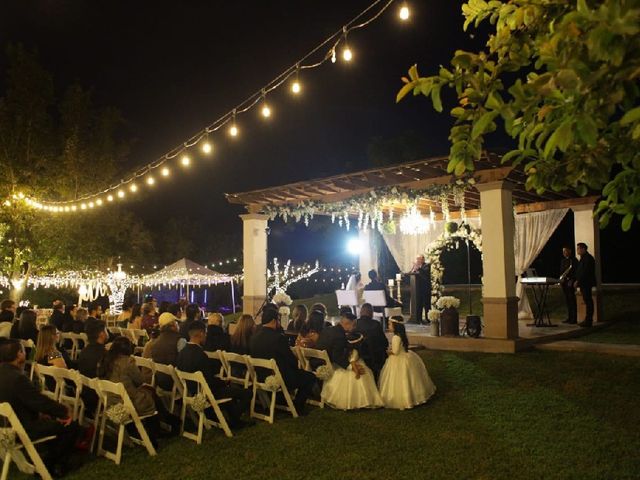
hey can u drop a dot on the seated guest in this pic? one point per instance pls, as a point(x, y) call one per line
point(373, 348)
point(311, 330)
point(270, 344)
point(149, 319)
point(26, 327)
point(404, 380)
point(125, 316)
point(57, 317)
point(217, 338)
point(80, 322)
point(69, 318)
point(135, 320)
point(193, 359)
point(165, 348)
point(298, 318)
point(334, 339)
point(7, 314)
point(95, 312)
point(118, 366)
point(175, 309)
point(241, 336)
point(92, 353)
point(153, 336)
point(352, 387)
point(376, 285)
point(193, 313)
point(320, 307)
point(47, 352)
point(39, 415)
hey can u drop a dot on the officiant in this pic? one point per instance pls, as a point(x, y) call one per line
point(422, 272)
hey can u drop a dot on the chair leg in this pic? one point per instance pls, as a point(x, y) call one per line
point(145, 437)
point(183, 416)
point(103, 426)
point(5, 466)
point(200, 427)
point(118, 455)
point(272, 407)
point(252, 408)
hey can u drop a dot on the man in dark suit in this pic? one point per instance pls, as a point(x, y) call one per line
point(30, 405)
point(57, 317)
point(192, 358)
point(373, 350)
point(270, 343)
point(568, 267)
point(93, 352)
point(334, 339)
point(586, 280)
point(423, 288)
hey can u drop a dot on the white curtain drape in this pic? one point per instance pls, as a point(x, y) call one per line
point(405, 248)
point(532, 232)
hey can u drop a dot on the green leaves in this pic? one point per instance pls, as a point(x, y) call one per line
point(481, 126)
point(631, 116)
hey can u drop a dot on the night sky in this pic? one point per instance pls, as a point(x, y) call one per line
point(172, 68)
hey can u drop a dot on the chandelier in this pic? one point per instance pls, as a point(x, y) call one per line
point(413, 222)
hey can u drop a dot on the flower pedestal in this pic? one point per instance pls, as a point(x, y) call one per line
point(450, 322)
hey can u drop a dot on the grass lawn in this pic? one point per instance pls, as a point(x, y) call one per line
point(535, 415)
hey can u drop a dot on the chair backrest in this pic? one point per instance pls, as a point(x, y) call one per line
point(114, 330)
point(266, 367)
point(142, 362)
point(322, 355)
point(139, 333)
point(230, 358)
point(377, 298)
point(44, 371)
point(171, 372)
point(67, 395)
point(347, 298)
point(296, 352)
point(219, 356)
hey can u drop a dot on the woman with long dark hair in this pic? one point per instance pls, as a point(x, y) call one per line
point(310, 331)
point(135, 320)
point(299, 317)
point(26, 327)
point(404, 380)
point(118, 366)
point(242, 334)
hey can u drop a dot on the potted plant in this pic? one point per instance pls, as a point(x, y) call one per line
point(449, 317)
point(434, 317)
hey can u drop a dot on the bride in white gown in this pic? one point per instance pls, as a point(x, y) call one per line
point(352, 387)
point(404, 380)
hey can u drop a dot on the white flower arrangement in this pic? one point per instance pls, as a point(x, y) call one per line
point(282, 299)
point(284, 311)
point(117, 413)
point(433, 315)
point(7, 439)
point(271, 383)
point(448, 302)
point(200, 402)
point(324, 372)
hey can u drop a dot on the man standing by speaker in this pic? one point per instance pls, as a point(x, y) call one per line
point(586, 280)
point(423, 287)
point(568, 268)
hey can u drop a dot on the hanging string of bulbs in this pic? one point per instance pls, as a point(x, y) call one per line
point(160, 168)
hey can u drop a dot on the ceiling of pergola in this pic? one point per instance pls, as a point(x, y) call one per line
point(417, 174)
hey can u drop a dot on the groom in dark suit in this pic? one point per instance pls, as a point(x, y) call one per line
point(586, 280)
point(373, 350)
point(334, 339)
point(269, 342)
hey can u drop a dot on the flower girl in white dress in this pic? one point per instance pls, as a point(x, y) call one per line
point(404, 380)
point(352, 387)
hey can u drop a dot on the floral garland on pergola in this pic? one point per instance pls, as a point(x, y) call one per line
point(374, 208)
point(452, 234)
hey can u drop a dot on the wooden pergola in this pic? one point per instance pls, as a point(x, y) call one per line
point(496, 190)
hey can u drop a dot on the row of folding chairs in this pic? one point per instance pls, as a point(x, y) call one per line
point(138, 336)
point(77, 341)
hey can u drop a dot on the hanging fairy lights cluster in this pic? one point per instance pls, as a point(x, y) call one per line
point(279, 279)
point(153, 174)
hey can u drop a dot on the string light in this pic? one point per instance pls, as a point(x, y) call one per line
point(133, 188)
point(185, 160)
point(312, 60)
point(151, 181)
point(404, 12)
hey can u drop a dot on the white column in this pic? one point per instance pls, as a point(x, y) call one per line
point(368, 253)
point(586, 230)
point(498, 260)
point(254, 226)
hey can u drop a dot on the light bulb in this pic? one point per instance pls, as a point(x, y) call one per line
point(347, 54)
point(165, 172)
point(99, 202)
point(233, 131)
point(66, 209)
point(133, 188)
point(404, 12)
point(109, 198)
point(333, 55)
point(120, 193)
point(74, 208)
point(91, 204)
point(295, 87)
point(266, 111)
point(207, 147)
point(151, 180)
point(83, 206)
point(185, 160)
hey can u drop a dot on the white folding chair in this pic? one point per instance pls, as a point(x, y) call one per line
point(71, 398)
point(243, 360)
point(169, 396)
point(62, 343)
point(112, 394)
point(12, 448)
point(323, 356)
point(377, 298)
point(29, 363)
point(272, 383)
point(147, 367)
point(139, 334)
point(45, 371)
point(90, 384)
point(219, 356)
point(296, 352)
point(201, 400)
point(347, 298)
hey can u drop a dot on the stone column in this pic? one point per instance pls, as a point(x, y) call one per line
point(587, 230)
point(368, 254)
point(254, 226)
point(498, 260)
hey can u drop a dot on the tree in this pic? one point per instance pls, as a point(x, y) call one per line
point(561, 79)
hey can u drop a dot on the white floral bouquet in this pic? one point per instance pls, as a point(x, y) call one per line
point(282, 299)
point(433, 315)
point(271, 383)
point(324, 372)
point(448, 302)
point(117, 413)
point(200, 402)
point(284, 311)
